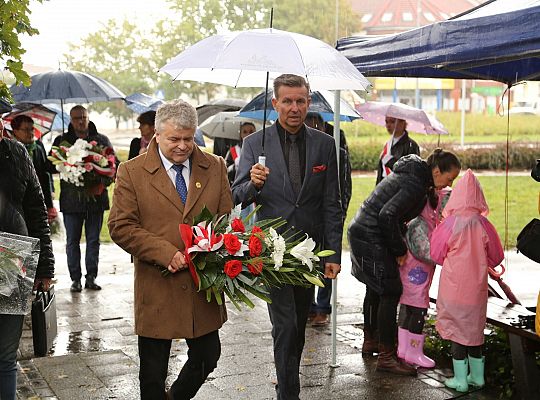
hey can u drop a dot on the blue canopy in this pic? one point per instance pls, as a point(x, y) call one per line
point(499, 40)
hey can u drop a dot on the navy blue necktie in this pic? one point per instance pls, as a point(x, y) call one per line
point(180, 182)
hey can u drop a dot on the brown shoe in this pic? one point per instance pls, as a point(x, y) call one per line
point(388, 362)
point(320, 319)
point(311, 315)
point(370, 344)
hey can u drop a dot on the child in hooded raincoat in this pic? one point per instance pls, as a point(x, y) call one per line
point(466, 244)
point(416, 277)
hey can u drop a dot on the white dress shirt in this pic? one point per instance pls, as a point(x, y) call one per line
point(172, 173)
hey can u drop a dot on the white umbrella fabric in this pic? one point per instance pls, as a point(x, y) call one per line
point(417, 120)
point(226, 125)
point(243, 58)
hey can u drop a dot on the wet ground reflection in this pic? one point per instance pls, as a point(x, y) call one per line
point(77, 342)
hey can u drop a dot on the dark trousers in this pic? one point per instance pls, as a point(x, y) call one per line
point(288, 314)
point(203, 355)
point(92, 227)
point(380, 312)
point(322, 300)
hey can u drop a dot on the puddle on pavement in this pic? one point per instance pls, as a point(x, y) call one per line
point(77, 342)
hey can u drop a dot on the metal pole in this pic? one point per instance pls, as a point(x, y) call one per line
point(337, 113)
point(417, 88)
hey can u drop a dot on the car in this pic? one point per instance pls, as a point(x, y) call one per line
point(525, 107)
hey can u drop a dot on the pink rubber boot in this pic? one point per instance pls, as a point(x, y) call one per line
point(415, 352)
point(403, 342)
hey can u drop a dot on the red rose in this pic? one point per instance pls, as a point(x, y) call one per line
point(255, 246)
point(237, 225)
point(232, 268)
point(231, 242)
point(255, 267)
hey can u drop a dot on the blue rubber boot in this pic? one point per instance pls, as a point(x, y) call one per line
point(476, 377)
point(459, 381)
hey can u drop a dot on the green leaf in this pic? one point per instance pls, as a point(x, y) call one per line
point(313, 279)
point(204, 215)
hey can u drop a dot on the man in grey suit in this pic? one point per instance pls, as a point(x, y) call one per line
point(300, 184)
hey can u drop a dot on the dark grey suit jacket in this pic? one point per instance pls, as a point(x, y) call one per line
point(317, 210)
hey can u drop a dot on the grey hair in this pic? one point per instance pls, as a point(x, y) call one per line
point(178, 113)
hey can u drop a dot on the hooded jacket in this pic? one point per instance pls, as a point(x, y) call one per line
point(376, 232)
point(72, 199)
point(466, 244)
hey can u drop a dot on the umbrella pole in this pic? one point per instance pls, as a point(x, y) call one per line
point(262, 157)
point(62, 115)
point(337, 97)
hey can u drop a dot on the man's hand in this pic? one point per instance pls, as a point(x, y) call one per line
point(45, 283)
point(177, 263)
point(51, 214)
point(331, 270)
point(258, 174)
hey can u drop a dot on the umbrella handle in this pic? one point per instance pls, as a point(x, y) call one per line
point(496, 274)
point(262, 160)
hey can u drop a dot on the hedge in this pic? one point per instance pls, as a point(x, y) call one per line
point(521, 156)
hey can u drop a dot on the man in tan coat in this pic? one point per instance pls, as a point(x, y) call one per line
point(154, 193)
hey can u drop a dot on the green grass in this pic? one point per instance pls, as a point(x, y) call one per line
point(479, 128)
point(522, 202)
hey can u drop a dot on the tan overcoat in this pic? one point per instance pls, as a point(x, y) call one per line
point(144, 220)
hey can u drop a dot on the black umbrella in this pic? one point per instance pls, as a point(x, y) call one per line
point(4, 106)
point(66, 87)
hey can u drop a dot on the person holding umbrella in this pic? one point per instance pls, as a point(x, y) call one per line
point(399, 145)
point(23, 131)
point(79, 210)
point(300, 184)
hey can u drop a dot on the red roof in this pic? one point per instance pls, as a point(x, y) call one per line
point(391, 16)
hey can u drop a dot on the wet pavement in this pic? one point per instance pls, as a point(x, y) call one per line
point(95, 353)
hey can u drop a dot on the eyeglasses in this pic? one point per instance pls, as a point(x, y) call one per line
point(27, 130)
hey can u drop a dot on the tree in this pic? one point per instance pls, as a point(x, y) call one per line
point(14, 20)
point(120, 54)
point(130, 59)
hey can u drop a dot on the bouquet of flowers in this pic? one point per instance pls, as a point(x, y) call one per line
point(18, 263)
point(226, 256)
point(85, 164)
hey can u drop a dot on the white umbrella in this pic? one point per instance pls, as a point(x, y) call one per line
point(242, 59)
point(417, 120)
point(226, 124)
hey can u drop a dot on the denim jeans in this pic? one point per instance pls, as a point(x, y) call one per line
point(10, 334)
point(74, 222)
point(322, 301)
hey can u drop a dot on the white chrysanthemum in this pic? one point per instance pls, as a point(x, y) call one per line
point(303, 251)
point(279, 251)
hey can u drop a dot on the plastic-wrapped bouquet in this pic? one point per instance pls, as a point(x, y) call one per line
point(85, 164)
point(18, 263)
point(224, 255)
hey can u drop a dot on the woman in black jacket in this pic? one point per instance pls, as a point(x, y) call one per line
point(378, 246)
point(22, 212)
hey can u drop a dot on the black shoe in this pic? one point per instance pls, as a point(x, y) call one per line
point(91, 284)
point(76, 286)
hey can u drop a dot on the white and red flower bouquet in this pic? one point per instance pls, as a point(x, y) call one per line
point(226, 255)
point(85, 164)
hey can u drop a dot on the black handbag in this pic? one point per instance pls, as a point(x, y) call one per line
point(528, 240)
point(44, 324)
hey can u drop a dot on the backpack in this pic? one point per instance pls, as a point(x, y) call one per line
point(528, 240)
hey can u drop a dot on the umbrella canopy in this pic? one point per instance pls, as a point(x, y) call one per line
point(417, 120)
point(205, 111)
point(42, 116)
point(226, 125)
point(141, 103)
point(322, 102)
point(66, 87)
point(4, 106)
point(242, 59)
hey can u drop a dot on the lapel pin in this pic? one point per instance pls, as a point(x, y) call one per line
point(198, 185)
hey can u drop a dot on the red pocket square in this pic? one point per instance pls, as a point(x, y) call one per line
point(318, 168)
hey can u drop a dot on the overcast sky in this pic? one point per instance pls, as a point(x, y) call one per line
point(63, 21)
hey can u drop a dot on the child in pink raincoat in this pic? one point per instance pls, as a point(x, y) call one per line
point(466, 244)
point(416, 277)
